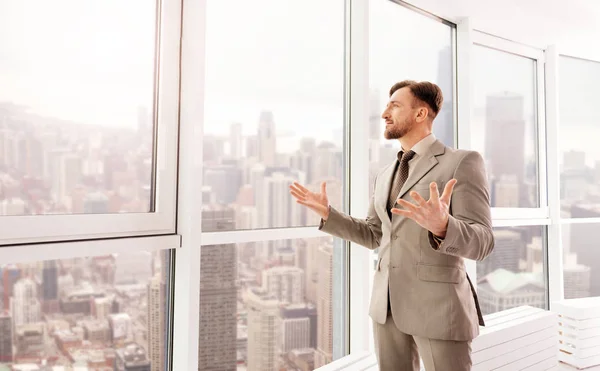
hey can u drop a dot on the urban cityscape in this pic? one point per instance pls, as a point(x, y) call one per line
point(266, 305)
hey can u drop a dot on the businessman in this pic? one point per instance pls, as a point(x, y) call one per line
point(423, 303)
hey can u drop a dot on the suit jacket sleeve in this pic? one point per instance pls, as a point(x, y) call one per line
point(469, 234)
point(365, 232)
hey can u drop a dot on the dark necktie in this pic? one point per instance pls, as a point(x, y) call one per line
point(399, 179)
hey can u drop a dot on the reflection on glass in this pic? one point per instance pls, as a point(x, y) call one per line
point(504, 126)
point(266, 306)
point(581, 259)
point(100, 313)
point(76, 103)
point(580, 153)
point(514, 274)
point(396, 55)
point(274, 107)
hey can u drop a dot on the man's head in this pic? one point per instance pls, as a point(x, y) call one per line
point(412, 108)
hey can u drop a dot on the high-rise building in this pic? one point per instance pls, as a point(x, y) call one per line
point(236, 141)
point(267, 139)
point(576, 277)
point(25, 306)
point(324, 352)
point(50, 287)
point(6, 338)
point(10, 275)
point(585, 247)
point(218, 296)
point(508, 250)
point(263, 332)
point(298, 326)
point(156, 322)
point(285, 283)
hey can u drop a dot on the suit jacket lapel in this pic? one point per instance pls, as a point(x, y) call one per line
point(386, 176)
point(422, 166)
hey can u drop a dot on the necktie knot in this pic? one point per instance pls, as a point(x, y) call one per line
point(407, 156)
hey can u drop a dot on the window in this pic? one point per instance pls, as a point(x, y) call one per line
point(268, 305)
point(579, 176)
point(581, 264)
point(395, 55)
point(515, 273)
point(83, 128)
point(94, 312)
point(504, 125)
point(579, 155)
point(273, 108)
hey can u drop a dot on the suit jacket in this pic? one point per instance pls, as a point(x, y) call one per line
point(431, 295)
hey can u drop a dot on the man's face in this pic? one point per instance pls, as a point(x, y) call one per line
point(399, 115)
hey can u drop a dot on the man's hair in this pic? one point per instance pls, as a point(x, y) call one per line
point(427, 92)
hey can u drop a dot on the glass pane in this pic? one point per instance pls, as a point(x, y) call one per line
point(396, 55)
point(101, 313)
point(274, 107)
point(579, 152)
point(268, 306)
point(504, 126)
point(515, 273)
point(581, 264)
point(76, 106)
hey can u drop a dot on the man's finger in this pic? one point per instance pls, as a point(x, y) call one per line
point(434, 193)
point(298, 195)
point(417, 197)
point(448, 191)
point(324, 188)
point(297, 189)
point(408, 205)
point(301, 187)
point(404, 213)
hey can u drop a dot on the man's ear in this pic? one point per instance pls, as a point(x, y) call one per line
point(422, 114)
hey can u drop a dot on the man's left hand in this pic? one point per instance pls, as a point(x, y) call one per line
point(433, 214)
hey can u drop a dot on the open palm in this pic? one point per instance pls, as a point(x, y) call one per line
point(317, 202)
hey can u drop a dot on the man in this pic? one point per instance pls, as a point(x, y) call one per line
point(423, 303)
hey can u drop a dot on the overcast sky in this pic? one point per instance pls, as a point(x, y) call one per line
point(92, 61)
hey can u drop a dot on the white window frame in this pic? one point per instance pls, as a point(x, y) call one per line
point(44, 228)
point(187, 261)
point(503, 45)
point(510, 217)
point(555, 248)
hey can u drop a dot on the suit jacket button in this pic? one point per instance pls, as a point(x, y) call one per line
point(394, 237)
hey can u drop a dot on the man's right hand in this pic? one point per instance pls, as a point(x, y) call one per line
point(317, 202)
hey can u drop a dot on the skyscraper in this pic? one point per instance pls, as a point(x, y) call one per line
point(585, 247)
point(50, 286)
point(505, 140)
point(267, 140)
point(263, 332)
point(324, 352)
point(6, 338)
point(218, 296)
point(156, 322)
point(25, 306)
point(285, 283)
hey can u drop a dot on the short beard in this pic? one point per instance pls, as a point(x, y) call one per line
point(396, 133)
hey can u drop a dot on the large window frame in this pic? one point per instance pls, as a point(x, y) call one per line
point(488, 41)
point(44, 228)
point(178, 155)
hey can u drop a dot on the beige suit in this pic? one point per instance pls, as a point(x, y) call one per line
point(432, 299)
